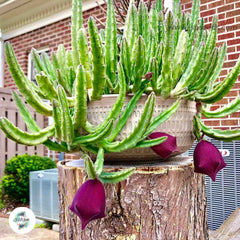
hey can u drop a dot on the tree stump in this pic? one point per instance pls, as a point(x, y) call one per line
point(160, 201)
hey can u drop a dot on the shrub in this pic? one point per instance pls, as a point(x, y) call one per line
point(15, 182)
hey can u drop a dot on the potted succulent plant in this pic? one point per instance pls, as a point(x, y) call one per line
point(161, 63)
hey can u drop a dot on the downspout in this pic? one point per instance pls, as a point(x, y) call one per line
point(1, 60)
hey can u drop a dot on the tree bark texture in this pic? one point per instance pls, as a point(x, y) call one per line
point(160, 201)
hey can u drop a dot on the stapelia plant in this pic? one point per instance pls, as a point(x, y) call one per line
point(165, 55)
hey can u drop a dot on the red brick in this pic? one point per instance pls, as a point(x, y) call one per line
point(203, 8)
point(188, 5)
point(213, 108)
point(212, 123)
point(206, 1)
point(230, 122)
point(235, 115)
point(233, 13)
point(232, 94)
point(226, 22)
point(224, 72)
point(207, 13)
point(230, 49)
point(233, 27)
point(237, 5)
point(225, 8)
point(233, 56)
point(229, 64)
point(231, 1)
point(225, 36)
point(185, 1)
point(216, 4)
point(233, 41)
point(222, 101)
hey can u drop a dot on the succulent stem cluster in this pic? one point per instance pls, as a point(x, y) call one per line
point(174, 49)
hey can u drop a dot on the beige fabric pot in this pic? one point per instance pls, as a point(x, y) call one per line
point(179, 125)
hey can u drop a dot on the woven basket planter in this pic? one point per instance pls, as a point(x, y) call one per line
point(179, 125)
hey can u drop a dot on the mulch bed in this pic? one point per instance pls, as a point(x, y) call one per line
point(10, 205)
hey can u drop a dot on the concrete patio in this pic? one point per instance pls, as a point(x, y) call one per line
point(36, 234)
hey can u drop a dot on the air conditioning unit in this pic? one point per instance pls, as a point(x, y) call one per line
point(223, 196)
point(44, 200)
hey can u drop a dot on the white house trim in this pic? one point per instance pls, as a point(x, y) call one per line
point(43, 18)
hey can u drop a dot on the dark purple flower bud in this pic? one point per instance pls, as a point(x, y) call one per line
point(207, 159)
point(89, 202)
point(165, 149)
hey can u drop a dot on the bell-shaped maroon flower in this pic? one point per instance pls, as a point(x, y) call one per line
point(207, 159)
point(89, 202)
point(165, 149)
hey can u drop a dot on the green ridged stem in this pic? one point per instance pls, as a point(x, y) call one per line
point(221, 90)
point(111, 43)
point(130, 31)
point(32, 125)
point(117, 106)
point(212, 37)
point(71, 79)
point(230, 108)
point(62, 59)
point(154, 69)
point(150, 143)
point(143, 22)
point(190, 73)
point(206, 73)
point(76, 25)
point(80, 110)
point(84, 55)
point(29, 139)
point(24, 85)
point(27, 117)
point(166, 73)
point(37, 61)
point(126, 113)
point(99, 67)
point(218, 68)
point(62, 81)
point(70, 59)
point(46, 86)
point(55, 61)
point(57, 120)
point(115, 177)
point(99, 161)
point(48, 66)
point(139, 130)
point(66, 121)
point(162, 117)
point(179, 57)
point(96, 136)
point(222, 135)
point(89, 167)
point(159, 5)
point(197, 128)
point(125, 58)
point(138, 63)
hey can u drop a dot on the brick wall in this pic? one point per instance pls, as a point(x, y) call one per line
point(228, 12)
point(49, 36)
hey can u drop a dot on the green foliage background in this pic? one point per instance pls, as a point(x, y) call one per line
point(15, 182)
